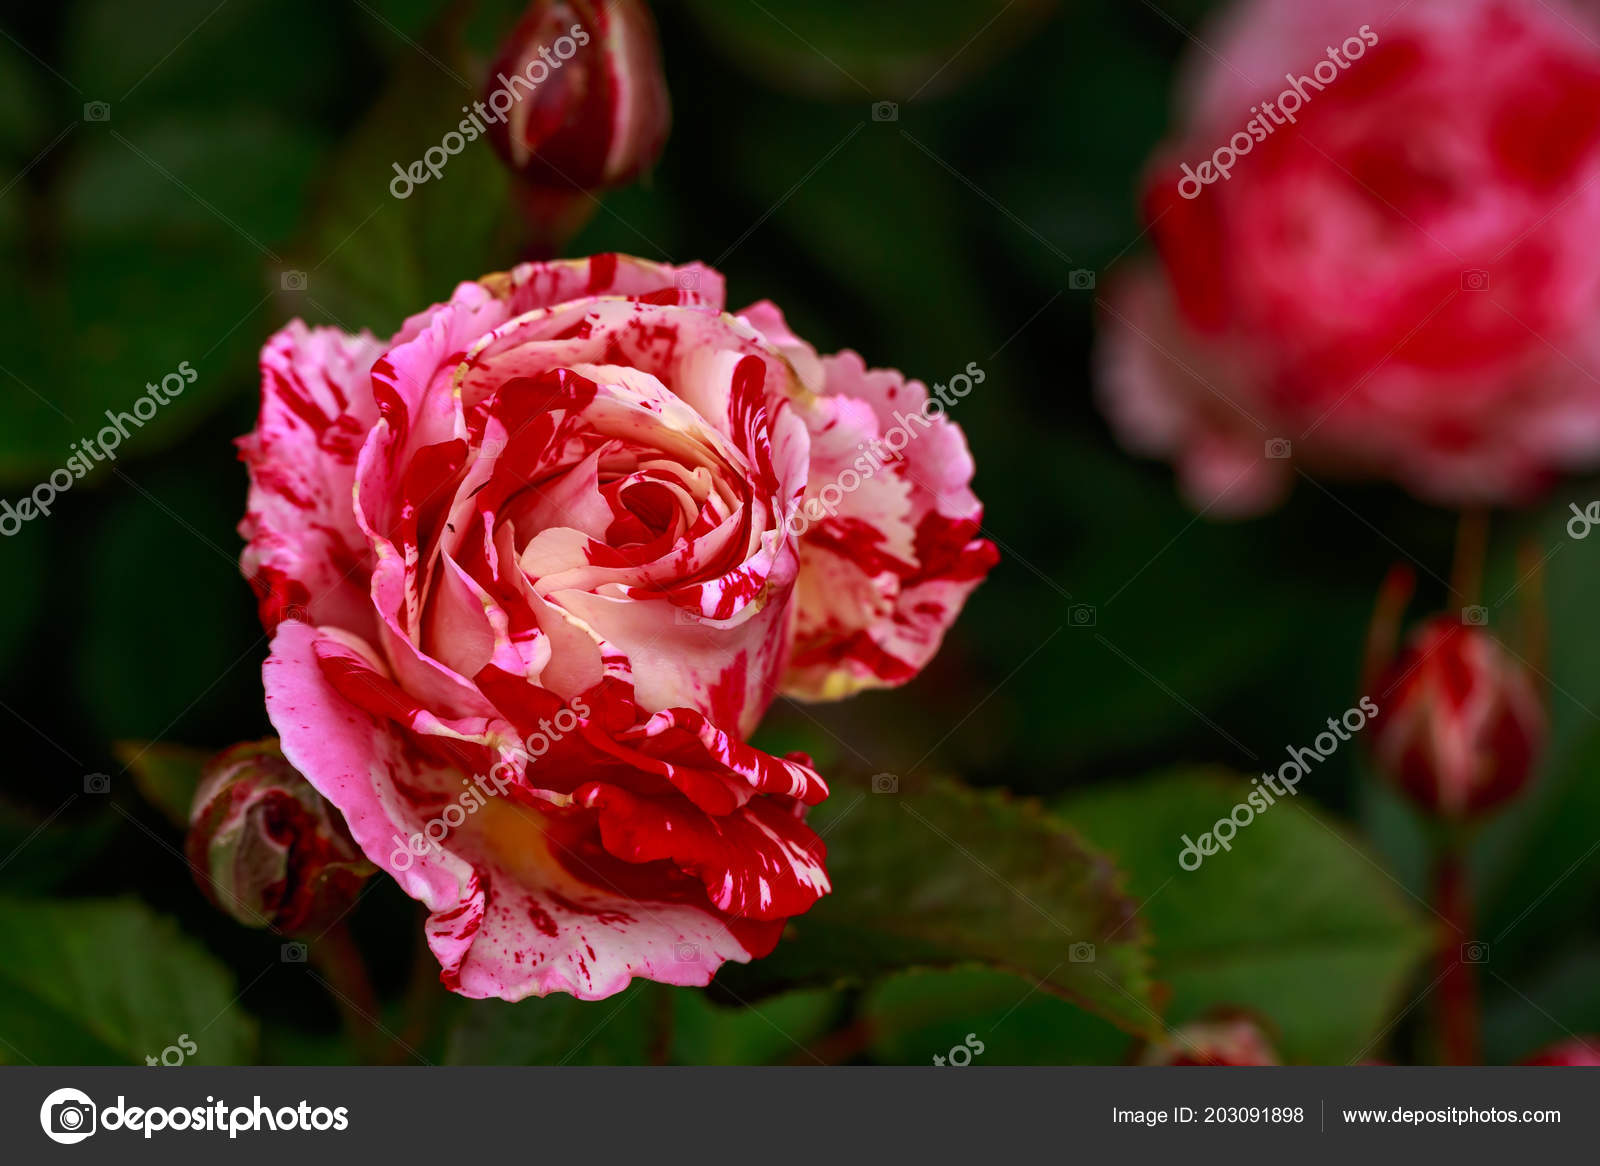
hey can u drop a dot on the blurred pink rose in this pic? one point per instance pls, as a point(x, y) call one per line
point(1401, 281)
point(535, 568)
point(1579, 1050)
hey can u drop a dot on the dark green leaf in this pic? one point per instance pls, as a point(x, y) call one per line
point(914, 1017)
point(776, 1030)
point(942, 876)
point(557, 1030)
point(109, 982)
point(1295, 922)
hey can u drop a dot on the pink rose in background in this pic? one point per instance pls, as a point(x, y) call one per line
point(1401, 281)
point(1580, 1050)
point(535, 568)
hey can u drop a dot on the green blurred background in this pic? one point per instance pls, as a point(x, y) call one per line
point(250, 139)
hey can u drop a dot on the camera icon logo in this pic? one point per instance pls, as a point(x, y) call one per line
point(688, 280)
point(885, 783)
point(1475, 279)
point(67, 1116)
point(97, 111)
point(686, 953)
point(1476, 952)
point(1083, 615)
point(293, 953)
point(885, 111)
point(1475, 616)
point(293, 281)
point(1279, 447)
point(97, 783)
point(1080, 280)
point(1081, 953)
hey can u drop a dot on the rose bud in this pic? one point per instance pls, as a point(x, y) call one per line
point(576, 97)
point(1580, 1050)
point(1460, 722)
point(267, 848)
point(1233, 1040)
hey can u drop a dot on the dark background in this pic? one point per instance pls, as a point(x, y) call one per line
point(256, 137)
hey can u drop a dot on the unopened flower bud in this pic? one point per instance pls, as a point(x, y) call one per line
point(266, 847)
point(1460, 723)
point(1233, 1040)
point(576, 96)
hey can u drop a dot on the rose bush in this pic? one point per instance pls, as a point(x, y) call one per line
point(1403, 281)
point(580, 505)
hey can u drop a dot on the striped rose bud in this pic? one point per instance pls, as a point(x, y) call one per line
point(1462, 723)
point(576, 95)
point(267, 848)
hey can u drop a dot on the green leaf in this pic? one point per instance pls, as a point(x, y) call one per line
point(1295, 922)
point(778, 1030)
point(111, 982)
point(557, 1030)
point(937, 875)
point(167, 775)
point(916, 1016)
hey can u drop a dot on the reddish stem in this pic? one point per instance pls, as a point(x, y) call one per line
point(551, 216)
point(336, 955)
point(1458, 956)
point(1472, 548)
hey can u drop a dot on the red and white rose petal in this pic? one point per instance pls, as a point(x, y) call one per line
point(889, 545)
point(533, 893)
